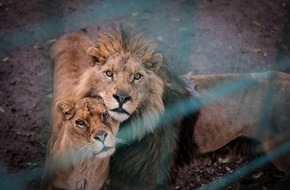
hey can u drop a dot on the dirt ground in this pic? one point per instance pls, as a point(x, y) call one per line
point(197, 37)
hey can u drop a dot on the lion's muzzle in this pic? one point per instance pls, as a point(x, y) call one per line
point(101, 136)
point(120, 110)
point(122, 98)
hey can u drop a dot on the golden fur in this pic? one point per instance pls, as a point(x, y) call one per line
point(254, 105)
point(68, 63)
point(137, 58)
point(137, 87)
point(66, 162)
point(78, 154)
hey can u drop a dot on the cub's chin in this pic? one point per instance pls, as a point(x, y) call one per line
point(105, 152)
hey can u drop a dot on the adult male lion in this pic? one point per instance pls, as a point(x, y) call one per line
point(254, 105)
point(137, 86)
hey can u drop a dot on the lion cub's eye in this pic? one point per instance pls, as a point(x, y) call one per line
point(137, 76)
point(104, 116)
point(109, 74)
point(80, 122)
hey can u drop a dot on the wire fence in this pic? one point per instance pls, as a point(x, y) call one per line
point(55, 26)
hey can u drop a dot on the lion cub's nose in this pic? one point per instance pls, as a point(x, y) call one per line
point(101, 136)
point(122, 97)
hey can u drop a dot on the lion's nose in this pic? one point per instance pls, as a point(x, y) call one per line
point(101, 136)
point(122, 97)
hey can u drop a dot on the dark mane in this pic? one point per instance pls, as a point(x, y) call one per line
point(148, 162)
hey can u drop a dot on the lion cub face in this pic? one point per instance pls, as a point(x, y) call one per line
point(89, 127)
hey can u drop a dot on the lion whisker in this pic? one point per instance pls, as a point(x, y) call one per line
point(83, 153)
point(121, 141)
point(89, 149)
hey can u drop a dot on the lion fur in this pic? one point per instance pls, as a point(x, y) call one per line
point(154, 149)
point(257, 108)
point(61, 170)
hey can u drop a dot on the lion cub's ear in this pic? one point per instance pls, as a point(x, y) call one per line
point(95, 56)
point(66, 108)
point(155, 62)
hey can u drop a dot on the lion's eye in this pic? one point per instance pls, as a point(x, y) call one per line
point(104, 116)
point(137, 76)
point(109, 74)
point(80, 122)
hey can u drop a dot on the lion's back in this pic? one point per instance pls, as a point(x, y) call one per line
point(69, 62)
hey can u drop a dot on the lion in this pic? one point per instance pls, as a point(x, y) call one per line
point(253, 105)
point(78, 154)
point(82, 133)
point(138, 87)
point(68, 63)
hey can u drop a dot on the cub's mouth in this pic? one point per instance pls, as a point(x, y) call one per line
point(107, 149)
point(105, 152)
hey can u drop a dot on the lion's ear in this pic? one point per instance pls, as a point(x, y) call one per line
point(155, 62)
point(66, 108)
point(95, 56)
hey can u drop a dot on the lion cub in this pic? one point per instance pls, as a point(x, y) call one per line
point(78, 154)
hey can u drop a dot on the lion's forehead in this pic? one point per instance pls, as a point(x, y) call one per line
point(91, 113)
point(127, 65)
point(91, 105)
point(83, 114)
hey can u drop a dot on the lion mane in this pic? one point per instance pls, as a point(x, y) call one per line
point(138, 87)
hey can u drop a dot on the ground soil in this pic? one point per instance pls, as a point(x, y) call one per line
point(208, 36)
